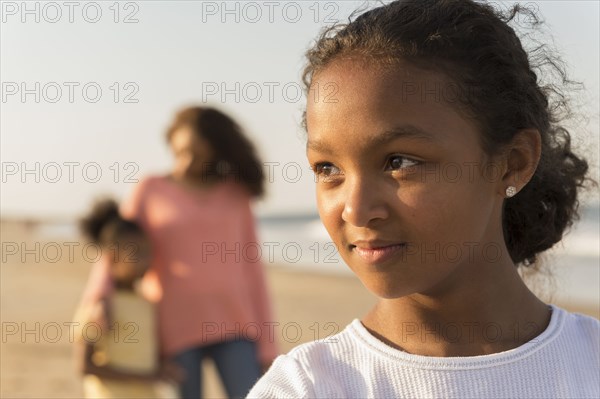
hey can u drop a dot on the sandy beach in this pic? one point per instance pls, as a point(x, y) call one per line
point(39, 294)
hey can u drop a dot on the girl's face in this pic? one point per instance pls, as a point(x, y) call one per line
point(192, 153)
point(131, 258)
point(404, 188)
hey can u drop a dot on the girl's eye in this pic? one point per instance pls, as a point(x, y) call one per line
point(325, 169)
point(397, 162)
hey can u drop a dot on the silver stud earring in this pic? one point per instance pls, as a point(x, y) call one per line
point(511, 191)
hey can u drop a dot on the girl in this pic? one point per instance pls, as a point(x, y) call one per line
point(441, 167)
point(119, 352)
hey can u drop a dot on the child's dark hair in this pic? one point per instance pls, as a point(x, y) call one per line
point(230, 146)
point(105, 226)
point(473, 45)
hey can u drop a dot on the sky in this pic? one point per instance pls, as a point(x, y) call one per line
point(88, 89)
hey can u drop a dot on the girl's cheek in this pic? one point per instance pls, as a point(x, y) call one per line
point(330, 208)
point(415, 196)
point(425, 206)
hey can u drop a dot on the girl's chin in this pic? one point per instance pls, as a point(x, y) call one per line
point(383, 287)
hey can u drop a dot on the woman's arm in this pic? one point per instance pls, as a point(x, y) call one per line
point(267, 345)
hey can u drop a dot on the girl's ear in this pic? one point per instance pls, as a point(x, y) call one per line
point(522, 156)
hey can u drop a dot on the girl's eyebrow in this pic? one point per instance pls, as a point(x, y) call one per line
point(404, 131)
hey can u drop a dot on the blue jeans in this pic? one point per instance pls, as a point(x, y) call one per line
point(236, 361)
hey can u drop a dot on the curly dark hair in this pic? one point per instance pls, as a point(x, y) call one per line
point(231, 147)
point(475, 47)
point(104, 226)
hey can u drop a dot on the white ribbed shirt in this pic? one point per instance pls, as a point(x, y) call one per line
point(561, 362)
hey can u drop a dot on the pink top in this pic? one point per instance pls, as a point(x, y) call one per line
point(206, 274)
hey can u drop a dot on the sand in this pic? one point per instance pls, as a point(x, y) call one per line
point(39, 295)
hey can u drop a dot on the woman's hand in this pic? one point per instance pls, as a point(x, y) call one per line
point(171, 371)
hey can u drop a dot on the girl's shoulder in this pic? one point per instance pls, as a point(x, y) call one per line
point(580, 328)
point(579, 319)
point(292, 374)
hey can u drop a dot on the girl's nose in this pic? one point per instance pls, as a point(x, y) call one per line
point(363, 203)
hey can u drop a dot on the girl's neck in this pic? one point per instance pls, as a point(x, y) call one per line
point(492, 312)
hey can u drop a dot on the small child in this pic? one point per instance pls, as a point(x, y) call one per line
point(119, 346)
point(442, 166)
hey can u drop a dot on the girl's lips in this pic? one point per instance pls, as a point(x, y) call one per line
point(379, 254)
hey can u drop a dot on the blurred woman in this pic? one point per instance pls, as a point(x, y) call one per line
point(207, 278)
